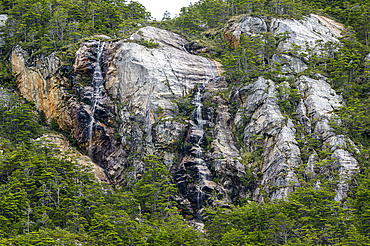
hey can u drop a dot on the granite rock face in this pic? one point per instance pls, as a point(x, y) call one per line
point(124, 100)
point(266, 131)
point(42, 82)
point(309, 30)
point(250, 26)
point(267, 128)
point(3, 19)
point(135, 112)
point(320, 100)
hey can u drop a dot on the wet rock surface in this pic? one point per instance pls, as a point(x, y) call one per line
point(42, 82)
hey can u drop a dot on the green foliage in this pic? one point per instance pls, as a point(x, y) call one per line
point(354, 13)
point(310, 216)
point(205, 14)
point(18, 121)
point(154, 190)
point(185, 106)
point(46, 199)
point(150, 44)
point(45, 26)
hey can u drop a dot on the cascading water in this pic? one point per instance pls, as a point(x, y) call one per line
point(200, 165)
point(198, 102)
point(193, 175)
point(98, 83)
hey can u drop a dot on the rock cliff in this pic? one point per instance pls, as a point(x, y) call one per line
point(266, 126)
point(147, 95)
point(3, 19)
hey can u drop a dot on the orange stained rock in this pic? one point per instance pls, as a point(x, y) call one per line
point(232, 40)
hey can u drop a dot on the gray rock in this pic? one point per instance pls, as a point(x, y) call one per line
point(163, 37)
point(302, 117)
point(252, 25)
point(148, 82)
point(320, 101)
point(310, 168)
point(290, 65)
point(137, 113)
point(367, 62)
point(3, 19)
point(309, 30)
point(4, 96)
point(277, 138)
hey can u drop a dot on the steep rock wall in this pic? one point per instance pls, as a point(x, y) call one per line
point(152, 97)
point(42, 82)
point(137, 111)
point(267, 128)
point(3, 19)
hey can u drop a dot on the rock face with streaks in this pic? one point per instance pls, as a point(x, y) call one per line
point(136, 112)
point(64, 100)
point(147, 95)
point(309, 30)
point(318, 102)
point(267, 132)
point(3, 19)
point(268, 129)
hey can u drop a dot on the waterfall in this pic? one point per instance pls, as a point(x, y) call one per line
point(194, 174)
point(98, 84)
point(204, 174)
point(198, 100)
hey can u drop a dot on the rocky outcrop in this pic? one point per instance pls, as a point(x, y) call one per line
point(310, 30)
point(3, 19)
point(42, 82)
point(148, 95)
point(267, 128)
point(319, 102)
point(267, 132)
point(135, 112)
point(4, 96)
point(249, 26)
point(147, 83)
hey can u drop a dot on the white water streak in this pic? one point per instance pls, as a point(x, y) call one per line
point(97, 82)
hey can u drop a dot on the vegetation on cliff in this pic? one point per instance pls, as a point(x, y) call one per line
point(47, 199)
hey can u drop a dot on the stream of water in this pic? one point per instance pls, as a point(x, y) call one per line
point(98, 83)
point(198, 152)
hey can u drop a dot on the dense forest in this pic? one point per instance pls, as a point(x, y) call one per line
point(48, 199)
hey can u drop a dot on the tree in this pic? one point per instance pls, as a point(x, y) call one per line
point(154, 190)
